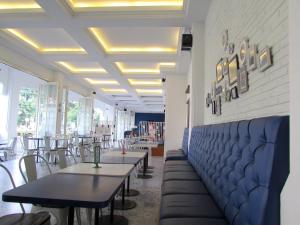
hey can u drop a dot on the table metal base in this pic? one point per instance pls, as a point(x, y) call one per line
point(128, 204)
point(142, 176)
point(132, 193)
point(147, 171)
point(118, 220)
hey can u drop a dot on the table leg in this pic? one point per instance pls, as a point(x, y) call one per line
point(96, 216)
point(112, 207)
point(128, 184)
point(38, 150)
point(71, 216)
point(123, 194)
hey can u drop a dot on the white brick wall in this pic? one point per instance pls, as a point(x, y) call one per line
point(264, 22)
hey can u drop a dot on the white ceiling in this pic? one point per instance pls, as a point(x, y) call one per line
point(93, 41)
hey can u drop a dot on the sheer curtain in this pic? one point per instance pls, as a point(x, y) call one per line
point(3, 114)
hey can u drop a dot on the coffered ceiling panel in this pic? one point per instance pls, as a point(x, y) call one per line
point(82, 67)
point(128, 39)
point(10, 6)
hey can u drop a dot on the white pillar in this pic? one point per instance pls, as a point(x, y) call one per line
point(197, 76)
point(290, 204)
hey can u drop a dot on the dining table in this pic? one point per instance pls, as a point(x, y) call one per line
point(70, 190)
point(38, 141)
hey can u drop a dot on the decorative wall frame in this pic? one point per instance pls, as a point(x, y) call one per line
point(252, 57)
point(243, 52)
point(243, 85)
point(234, 93)
point(219, 71)
point(265, 59)
point(233, 69)
point(208, 100)
point(218, 106)
point(231, 48)
point(219, 90)
point(225, 67)
point(225, 39)
point(213, 107)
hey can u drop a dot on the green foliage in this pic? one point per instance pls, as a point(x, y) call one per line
point(27, 105)
point(73, 108)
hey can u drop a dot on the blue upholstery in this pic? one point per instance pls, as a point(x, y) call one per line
point(183, 187)
point(180, 154)
point(185, 141)
point(244, 165)
point(192, 221)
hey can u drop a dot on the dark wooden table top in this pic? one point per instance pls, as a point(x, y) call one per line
point(74, 190)
point(120, 160)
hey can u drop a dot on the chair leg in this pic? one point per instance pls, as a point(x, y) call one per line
point(89, 215)
point(78, 216)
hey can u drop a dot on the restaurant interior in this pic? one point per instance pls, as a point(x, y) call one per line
point(149, 112)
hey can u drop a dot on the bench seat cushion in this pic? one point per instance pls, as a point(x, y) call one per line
point(183, 187)
point(178, 206)
point(192, 221)
point(175, 155)
point(186, 175)
point(177, 162)
point(178, 168)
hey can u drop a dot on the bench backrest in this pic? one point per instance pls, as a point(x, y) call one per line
point(185, 141)
point(244, 165)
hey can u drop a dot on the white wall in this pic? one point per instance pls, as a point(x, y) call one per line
point(264, 22)
point(176, 110)
point(290, 209)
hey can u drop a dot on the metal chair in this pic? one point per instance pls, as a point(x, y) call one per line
point(9, 150)
point(48, 151)
point(31, 175)
point(25, 145)
point(41, 218)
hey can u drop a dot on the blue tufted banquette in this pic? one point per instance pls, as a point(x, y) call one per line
point(243, 165)
point(180, 153)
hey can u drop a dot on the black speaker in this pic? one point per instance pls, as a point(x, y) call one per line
point(187, 42)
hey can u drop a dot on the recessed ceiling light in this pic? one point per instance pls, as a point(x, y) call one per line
point(155, 70)
point(39, 48)
point(9, 5)
point(102, 82)
point(109, 49)
point(149, 91)
point(154, 82)
point(168, 64)
point(114, 90)
point(74, 69)
point(152, 4)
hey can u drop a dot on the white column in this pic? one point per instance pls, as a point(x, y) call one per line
point(59, 78)
point(196, 78)
point(290, 204)
point(176, 111)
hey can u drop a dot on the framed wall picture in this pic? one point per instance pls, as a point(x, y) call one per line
point(208, 100)
point(213, 107)
point(265, 59)
point(219, 90)
point(219, 71)
point(225, 68)
point(252, 57)
point(243, 51)
point(218, 106)
point(243, 85)
point(233, 69)
point(231, 48)
point(234, 93)
point(225, 39)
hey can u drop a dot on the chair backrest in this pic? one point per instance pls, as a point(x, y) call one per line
point(25, 142)
point(30, 167)
point(14, 143)
point(12, 182)
point(62, 163)
point(47, 141)
point(244, 165)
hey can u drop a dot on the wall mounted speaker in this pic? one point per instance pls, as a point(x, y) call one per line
point(187, 42)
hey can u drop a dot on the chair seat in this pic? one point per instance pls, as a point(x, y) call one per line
point(186, 175)
point(193, 221)
point(41, 218)
point(178, 206)
point(183, 187)
point(178, 168)
point(175, 155)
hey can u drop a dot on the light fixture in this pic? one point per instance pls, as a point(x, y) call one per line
point(29, 5)
point(74, 69)
point(114, 90)
point(39, 48)
point(152, 4)
point(102, 82)
point(167, 64)
point(109, 49)
point(155, 70)
point(149, 91)
point(154, 82)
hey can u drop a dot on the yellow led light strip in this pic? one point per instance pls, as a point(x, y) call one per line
point(100, 38)
point(134, 82)
point(35, 45)
point(156, 70)
point(7, 6)
point(114, 90)
point(149, 91)
point(178, 4)
point(103, 82)
point(81, 70)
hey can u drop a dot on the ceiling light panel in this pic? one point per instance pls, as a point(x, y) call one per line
point(13, 6)
point(141, 68)
point(102, 82)
point(149, 91)
point(44, 40)
point(137, 39)
point(126, 5)
point(83, 67)
point(142, 82)
point(114, 90)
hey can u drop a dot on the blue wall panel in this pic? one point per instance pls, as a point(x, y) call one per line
point(152, 117)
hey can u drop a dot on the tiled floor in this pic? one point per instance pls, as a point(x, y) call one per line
point(146, 212)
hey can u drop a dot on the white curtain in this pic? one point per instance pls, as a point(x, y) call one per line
point(85, 115)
